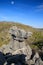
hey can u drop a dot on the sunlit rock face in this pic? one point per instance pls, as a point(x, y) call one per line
point(19, 34)
point(18, 37)
point(17, 52)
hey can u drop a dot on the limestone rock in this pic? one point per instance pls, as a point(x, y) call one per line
point(19, 34)
point(39, 62)
point(2, 48)
point(30, 62)
point(36, 56)
point(25, 50)
point(17, 52)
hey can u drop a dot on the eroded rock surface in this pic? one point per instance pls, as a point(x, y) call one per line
point(18, 37)
point(17, 52)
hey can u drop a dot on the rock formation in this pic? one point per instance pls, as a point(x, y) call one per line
point(17, 52)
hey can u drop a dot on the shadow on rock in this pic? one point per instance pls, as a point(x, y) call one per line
point(18, 59)
point(41, 55)
point(2, 58)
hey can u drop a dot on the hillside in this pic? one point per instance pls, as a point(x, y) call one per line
point(35, 41)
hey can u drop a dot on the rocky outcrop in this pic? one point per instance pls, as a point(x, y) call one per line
point(19, 34)
point(18, 37)
point(17, 52)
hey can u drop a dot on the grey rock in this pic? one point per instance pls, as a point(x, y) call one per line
point(5, 63)
point(25, 50)
point(12, 64)
point(36, 56)
point(17, 52)
point(39, 62)
point(30, 62)
point(19, 34)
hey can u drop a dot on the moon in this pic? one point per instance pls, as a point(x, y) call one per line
point(12, 2)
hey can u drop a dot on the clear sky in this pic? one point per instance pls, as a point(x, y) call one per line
point(29, 12)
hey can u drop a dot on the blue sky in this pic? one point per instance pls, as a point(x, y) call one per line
point(29, 12)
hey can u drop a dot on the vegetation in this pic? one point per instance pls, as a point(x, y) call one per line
point(35, 41)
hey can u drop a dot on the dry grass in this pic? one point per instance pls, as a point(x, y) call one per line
point(4, 35)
